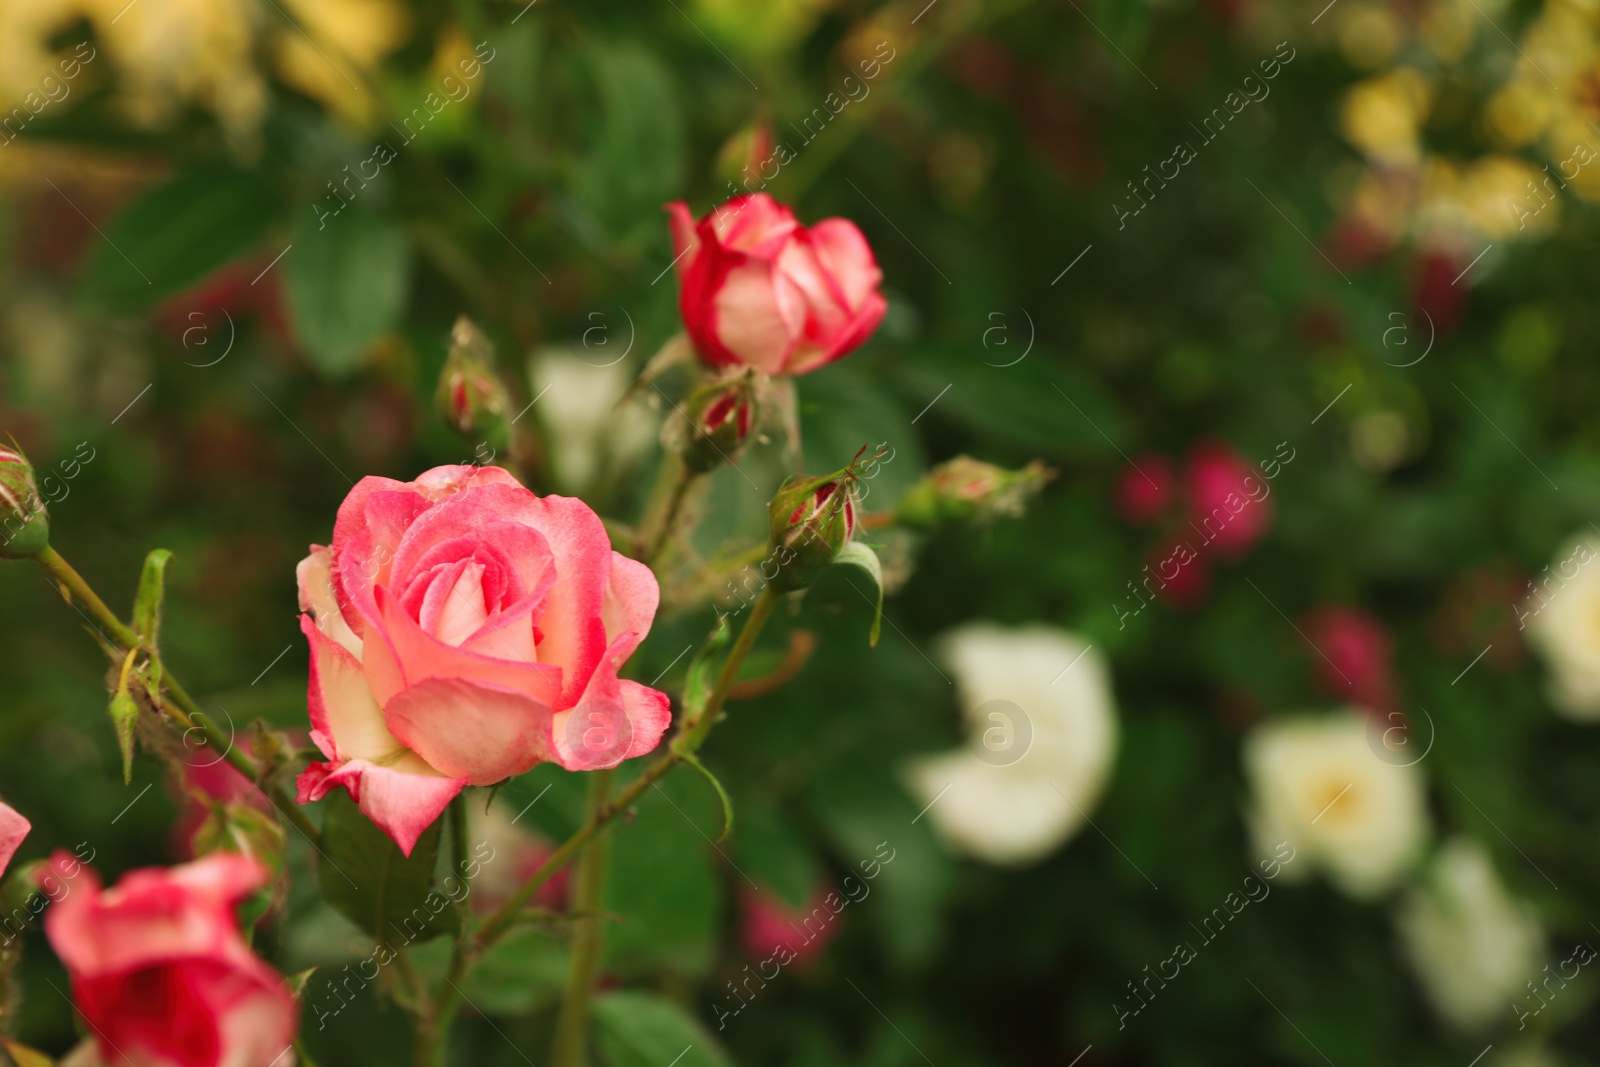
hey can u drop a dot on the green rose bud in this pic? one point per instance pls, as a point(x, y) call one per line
point(721, 417)
point(24, 523)
point(811, 520)
point(471, 397)
point(963, 489)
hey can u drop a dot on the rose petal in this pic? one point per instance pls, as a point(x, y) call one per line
point(13, 828)
point(471, 731)
point(614, 720)
point(632, 596)
point(408, 656)
point(314, 575)
point(402, 798)
point(757, 313)
point(847, 259)
point(346, 722)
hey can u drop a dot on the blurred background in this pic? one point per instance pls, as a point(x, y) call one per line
point(1329, 256)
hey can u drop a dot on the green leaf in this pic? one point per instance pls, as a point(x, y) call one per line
point(773, 853)
point(664, 885)
point(636, 161)
point(147, 604)
point(374, 884)
point(702, 675)
point(856, 554)
point(644, 1030)
point(23, 1056)
point(347, 276)
point(176, 234)
point(522, 973)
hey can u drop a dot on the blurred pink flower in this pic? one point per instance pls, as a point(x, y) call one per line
point(1228, 502)
point(1355, 660)
point(1145, 488)
point(770, 924)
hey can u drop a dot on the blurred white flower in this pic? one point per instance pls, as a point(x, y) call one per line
point(1317, 783)
point(1562, 618)
point(1471, 943)
point(587, 434)
point(1042, 732)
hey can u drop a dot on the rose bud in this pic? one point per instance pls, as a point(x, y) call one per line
point(471, 396)
point(757, 289)
point(24, 523)
point(963, 489)
point(721, 417)
point(159, 969)
point(811, 520)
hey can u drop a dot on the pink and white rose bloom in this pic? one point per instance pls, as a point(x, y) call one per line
point(758, 289)
point(160, 970)
point(462, 631)
point(13, 828)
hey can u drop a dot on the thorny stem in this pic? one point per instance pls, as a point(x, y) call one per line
point(186, 711)
point(691, 736)
point(677, 479)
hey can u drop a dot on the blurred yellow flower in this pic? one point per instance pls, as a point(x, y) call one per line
point(342, 39)
point(172, 52)
point(1369, 36)
point(1381, 116)
point(1517, 114)
point(25, 27)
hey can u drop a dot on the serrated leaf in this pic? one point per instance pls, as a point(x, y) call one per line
point(369, 880)
point(702, 678)
point(644, 1030)
point(178, 233)
point(856, 554)
point(346, 280)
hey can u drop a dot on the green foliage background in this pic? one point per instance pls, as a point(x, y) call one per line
point(986, 158)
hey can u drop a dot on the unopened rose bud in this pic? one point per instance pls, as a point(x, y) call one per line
point(744, 154)
point(963, 489)
point(811, 520)
point(24, 523)
point(721, 417)
point(471, 397)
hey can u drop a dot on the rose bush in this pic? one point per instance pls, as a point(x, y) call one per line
point(462, 631)
point(160, 970)
point(756, 288)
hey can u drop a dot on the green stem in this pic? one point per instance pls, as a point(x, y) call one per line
point(187, 712)
point(572, 1025)
point(690, 737)
point(677, 477)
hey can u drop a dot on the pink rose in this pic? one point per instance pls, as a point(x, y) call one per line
point(462, 631)
point(160, 971)
point(758, 289)
point(13, 828)
point(1228, 499)
point(771, 924)
point(1354, 656)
